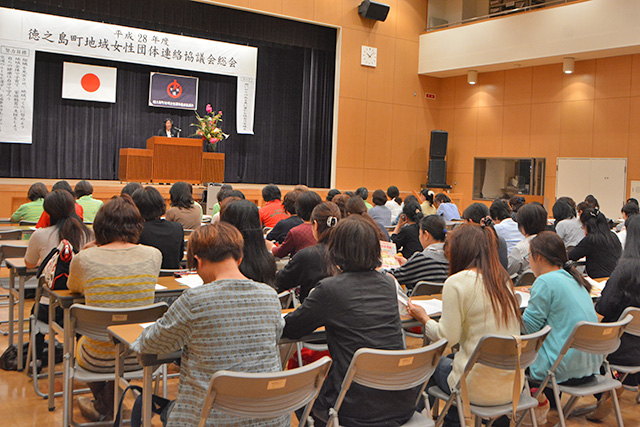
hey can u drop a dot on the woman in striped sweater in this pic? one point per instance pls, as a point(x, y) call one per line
point(115, 273)
point(430, 264)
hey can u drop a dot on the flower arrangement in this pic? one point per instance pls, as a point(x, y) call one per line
point(208, 129)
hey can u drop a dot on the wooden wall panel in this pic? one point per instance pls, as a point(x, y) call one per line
point(544, 113)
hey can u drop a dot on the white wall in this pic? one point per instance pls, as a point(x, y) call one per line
point(584, 30)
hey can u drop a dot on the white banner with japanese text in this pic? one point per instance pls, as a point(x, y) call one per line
point(51, 33)
point(17, 66)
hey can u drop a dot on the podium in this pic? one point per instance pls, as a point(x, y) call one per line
point(171, 160)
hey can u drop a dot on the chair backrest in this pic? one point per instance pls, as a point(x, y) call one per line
point(286, 299)
point(265, 395)
point(502, 353)
point(526, 279)
point(11, 235)
point(594, 338)
point(427, 288)
point(94, 321)
point(633, 327)
point(394, 370)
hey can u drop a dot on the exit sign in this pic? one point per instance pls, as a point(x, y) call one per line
point(430, 95)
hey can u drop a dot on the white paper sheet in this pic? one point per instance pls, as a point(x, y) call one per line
point(432, 306)
point(525, 296)
point(190, 280)
point(146, 325)
point(159, 287)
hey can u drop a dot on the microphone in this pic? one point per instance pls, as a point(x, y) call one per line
point(177, 128)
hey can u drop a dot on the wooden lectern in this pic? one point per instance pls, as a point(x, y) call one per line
point(171, 160)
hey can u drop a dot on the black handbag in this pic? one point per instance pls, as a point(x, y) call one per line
point(159, 405)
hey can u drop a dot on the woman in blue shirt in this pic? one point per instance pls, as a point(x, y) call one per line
point(559, 298)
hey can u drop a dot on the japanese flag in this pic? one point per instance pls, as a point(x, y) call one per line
point(89, 82)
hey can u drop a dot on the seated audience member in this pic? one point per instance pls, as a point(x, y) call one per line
point(364, 195)
point(257, 263)
point(580, 207)
point(300, 236)
point(409, 198)
point(183, 208)
point(358, 308)
point(166, 236)
point(600, 245)
point(445, 208)
point(130, 188)
point(232, 342)
point(427, 202)
point(478, 213)
point(505, 225)
point(45, 221)
point(341, 200)
point(216, 207)
point(32, 210)
point(395, 201)
point(234, 194)
point(116, 273)
point(406, 235)
point(559, 298)
point(311, 264)
point(628, 210)
point(477, 299)
point(356, 206)
point(379, 212)
point(515, 203)
point(568, 227)
point(532, 219)
point(273, 211)
point(622, 291)
point(332, 193)
point(280, 231)
point(431, 264)
point(90, 206)
point(592, 202)
point(59, 206)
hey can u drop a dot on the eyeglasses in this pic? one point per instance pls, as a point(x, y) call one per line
point(527, 256)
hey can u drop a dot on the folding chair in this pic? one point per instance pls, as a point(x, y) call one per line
point(93, 322)
point(286, 298)
point(500, 352)
point(427, 288)
point(633, 328)
point(265, 395)
point(164, 272)
point(392, 370)
point(525, 279)
point(23, 222)
point(594, 338)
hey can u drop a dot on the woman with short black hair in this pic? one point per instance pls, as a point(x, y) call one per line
point(282, 228)
point(445, 207)
point(406, 235)
point(600, 245)
point(31, 210)
point(567, 225)
point(355, 250)
point(532, 219)
point(478, 213)
point(166, 236)
point(183, 208)
point(395, 201)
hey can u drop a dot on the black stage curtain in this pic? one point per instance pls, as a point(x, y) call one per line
point(294, 98)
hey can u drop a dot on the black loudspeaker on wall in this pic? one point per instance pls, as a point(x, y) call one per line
point(437, 164)
point(373, 10)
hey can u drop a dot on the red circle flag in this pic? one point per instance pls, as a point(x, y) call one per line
point(90, 82)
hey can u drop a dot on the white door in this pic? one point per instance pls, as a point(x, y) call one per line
point(606, 179)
